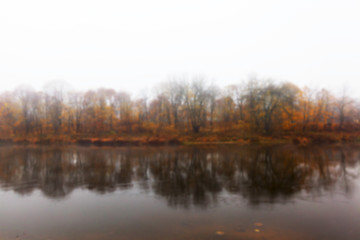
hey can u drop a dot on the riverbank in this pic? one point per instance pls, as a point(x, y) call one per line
point(294, 138)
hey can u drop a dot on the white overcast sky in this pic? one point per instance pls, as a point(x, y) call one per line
point(132, 45)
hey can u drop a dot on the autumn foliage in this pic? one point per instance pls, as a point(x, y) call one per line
point(179, 111)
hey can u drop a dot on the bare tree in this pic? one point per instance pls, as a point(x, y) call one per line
point(25, 94)
point(123, 108)
point(196, 98)
point(270, 102)
point(213, 92)
point(174, 91)
point(342, 105)
point(55, 94)
point(76, 100)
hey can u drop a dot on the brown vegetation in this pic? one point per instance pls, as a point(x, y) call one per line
point(180, 112)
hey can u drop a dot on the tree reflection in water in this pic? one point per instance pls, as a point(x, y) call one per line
point(184, 176)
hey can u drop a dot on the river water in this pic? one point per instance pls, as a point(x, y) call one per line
point(213, 192)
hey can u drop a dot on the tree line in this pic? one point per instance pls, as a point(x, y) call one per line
point(178, 107)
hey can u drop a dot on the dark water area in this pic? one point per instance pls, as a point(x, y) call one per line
point(216, 192)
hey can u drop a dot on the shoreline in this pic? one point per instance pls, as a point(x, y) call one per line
point(300, 140)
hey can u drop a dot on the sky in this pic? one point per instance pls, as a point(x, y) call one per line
point(135, 45)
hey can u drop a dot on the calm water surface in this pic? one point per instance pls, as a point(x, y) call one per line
point(219, 192)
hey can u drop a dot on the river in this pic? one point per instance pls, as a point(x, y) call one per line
point(188, 192)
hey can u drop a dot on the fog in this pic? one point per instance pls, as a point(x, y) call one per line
point(134, 45)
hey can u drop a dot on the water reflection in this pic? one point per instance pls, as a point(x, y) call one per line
point(184, 176)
